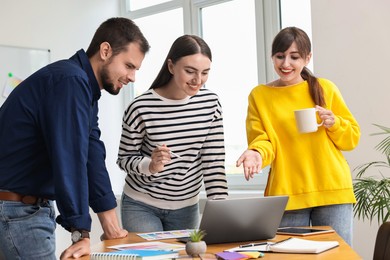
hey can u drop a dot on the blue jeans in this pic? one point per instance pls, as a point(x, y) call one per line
point(27, 231)
point(339, 217)
point(140, 217)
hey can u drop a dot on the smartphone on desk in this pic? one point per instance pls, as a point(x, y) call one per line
point(302, 231)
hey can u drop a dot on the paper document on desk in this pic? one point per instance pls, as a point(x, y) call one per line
point(292, 245)
point(166, 234)
point(303, 246)
point(153, 245)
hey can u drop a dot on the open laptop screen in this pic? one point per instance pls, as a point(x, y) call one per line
point(242, 219)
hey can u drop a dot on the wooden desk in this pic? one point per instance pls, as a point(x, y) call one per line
point(344, 251)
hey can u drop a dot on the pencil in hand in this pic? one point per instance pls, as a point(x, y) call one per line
point(172, 153)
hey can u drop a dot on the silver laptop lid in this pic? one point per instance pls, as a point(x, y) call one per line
point(242, 219)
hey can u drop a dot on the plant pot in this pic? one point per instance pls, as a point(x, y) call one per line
point(196, 248)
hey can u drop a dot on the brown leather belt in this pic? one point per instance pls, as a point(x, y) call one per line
point(26, 199)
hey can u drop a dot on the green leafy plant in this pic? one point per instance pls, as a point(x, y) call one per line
point(373, 193)
point(197, 235)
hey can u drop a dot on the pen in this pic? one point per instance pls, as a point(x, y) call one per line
point(175, 154)
point(253, 244)
point(281, 241)
point(172, 153)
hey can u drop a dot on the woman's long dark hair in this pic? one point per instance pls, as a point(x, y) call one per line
point(283, 41)
point(183, 46)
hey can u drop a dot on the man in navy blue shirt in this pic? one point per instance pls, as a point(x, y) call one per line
point(50, 147)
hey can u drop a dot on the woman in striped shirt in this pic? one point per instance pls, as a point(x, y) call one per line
point(172, 144)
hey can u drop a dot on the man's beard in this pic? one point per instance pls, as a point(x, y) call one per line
point(107, 85)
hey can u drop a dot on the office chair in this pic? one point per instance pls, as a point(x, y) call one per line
point(382, 242)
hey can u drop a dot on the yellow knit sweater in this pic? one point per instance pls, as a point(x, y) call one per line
point(309, 168)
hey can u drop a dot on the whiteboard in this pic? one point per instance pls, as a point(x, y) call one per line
point(16, 64)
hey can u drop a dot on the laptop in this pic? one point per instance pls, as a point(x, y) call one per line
point(242, 219)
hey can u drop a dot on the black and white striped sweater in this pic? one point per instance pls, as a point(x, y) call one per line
point(192, 128)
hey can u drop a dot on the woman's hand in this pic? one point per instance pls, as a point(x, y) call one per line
point(326, 116)
point(252, 163)
point(160, 157)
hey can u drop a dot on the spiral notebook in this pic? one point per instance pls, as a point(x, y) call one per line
point(135, 254)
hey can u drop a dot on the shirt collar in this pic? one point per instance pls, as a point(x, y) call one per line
point(82, 58)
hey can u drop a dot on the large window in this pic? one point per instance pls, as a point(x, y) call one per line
point(297, 13)
point(239, 33)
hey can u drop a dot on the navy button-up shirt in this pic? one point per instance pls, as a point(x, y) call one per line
point(50, 143)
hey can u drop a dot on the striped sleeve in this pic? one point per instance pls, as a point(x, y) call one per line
point(213, 158)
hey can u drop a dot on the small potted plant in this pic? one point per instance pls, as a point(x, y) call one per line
point(196, 246)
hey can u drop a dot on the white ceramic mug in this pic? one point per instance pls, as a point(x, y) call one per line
point(306, 120)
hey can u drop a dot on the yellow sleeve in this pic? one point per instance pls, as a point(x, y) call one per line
point(345, 133)
point(257, 137)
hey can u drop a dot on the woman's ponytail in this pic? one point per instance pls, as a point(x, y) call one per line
point(315, 89)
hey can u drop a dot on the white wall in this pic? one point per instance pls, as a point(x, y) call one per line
point(351, 42)
point(350, 38)
point(65, 27)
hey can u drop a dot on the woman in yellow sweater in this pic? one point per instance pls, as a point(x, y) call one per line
point(310, 168)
